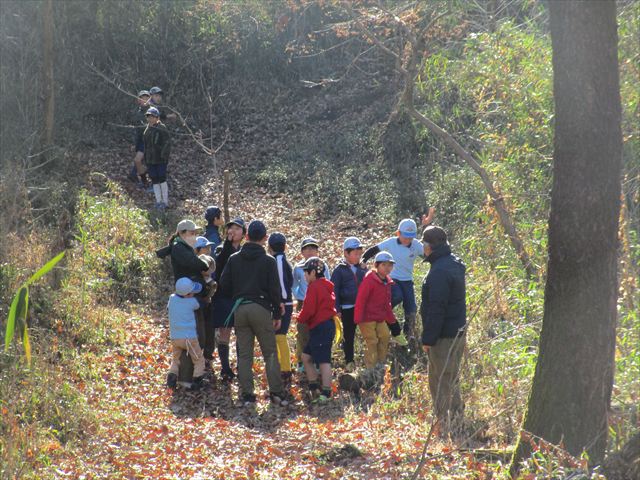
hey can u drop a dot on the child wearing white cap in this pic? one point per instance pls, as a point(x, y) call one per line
point(373, 310)
point(346, 278)
point(182, 331)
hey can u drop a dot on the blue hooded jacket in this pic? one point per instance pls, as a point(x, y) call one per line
point(443, 309)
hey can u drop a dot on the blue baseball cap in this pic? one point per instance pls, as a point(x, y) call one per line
point(155, 90)
point(202, 242)
point(212, 212)
point(277, 239)
point(185, 286)
point(408, 228)
point(257, 230)
point(384, 257)
point(153, 111)
point(352, 243)
point(239, 222)
point(309, 242)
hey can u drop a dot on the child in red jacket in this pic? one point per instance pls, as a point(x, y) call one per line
point(317, 314)
point(373, 310)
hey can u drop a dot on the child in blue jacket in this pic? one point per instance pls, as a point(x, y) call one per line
point(346, 279)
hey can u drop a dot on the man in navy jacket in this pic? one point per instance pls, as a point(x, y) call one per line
point(444, 313)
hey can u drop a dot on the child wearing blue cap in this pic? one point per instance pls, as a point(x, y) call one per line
point(182, 331)
point(405, 249)
point(373, 313)
point(346, 278)
point(277, 246)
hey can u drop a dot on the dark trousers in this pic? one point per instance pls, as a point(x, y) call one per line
point(349, 333)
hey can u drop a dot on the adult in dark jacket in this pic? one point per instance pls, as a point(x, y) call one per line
point(251, 279)
point(221, 318)
point(444, 313)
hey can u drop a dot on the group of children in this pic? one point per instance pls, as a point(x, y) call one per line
point(152, 145)
point(352, 298)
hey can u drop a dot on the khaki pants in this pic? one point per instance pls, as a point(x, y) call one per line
point(376, 342)
point(192, 347)
point(444, 384)
point(254, 321)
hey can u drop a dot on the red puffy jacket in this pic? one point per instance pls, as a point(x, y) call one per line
point(373, 303)
point(319, 303)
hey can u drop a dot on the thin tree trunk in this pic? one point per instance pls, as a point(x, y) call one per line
point(48, 85)
point(573, 380)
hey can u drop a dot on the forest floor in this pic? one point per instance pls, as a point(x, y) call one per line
point(146, 431)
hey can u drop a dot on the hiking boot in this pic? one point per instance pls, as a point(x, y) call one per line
point(279, 399)
point(400, 340)
point(350, 367)
point(172, 381)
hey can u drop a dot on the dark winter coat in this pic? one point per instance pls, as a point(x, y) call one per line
point(157, 144)
point(251, 274)
point(185, 262)
point(443, 309)
point(346, 283)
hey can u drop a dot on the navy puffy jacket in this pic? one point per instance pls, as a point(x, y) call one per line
point(443, 309)
point(346, 283)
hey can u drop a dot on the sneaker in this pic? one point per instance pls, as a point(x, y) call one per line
point(247, 400)
point(279, 399)
point(400, 340)
point(324, 397)
point(172, 381)
point(350, 367)
point(160, 206)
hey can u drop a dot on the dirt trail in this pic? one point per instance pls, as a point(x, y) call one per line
point(145, 431)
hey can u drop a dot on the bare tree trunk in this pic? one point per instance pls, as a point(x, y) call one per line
point(48, 85)
point(572, 385)
point(225, 195)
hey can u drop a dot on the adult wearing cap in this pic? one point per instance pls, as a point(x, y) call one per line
point(309, 248)
point(251, 279)
point(157, 148)
point(156, 101)
point(185, 262)
point(444, 316)
point(346, 279)
point(405, 249)
point(222, 304)
point(139, 169)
